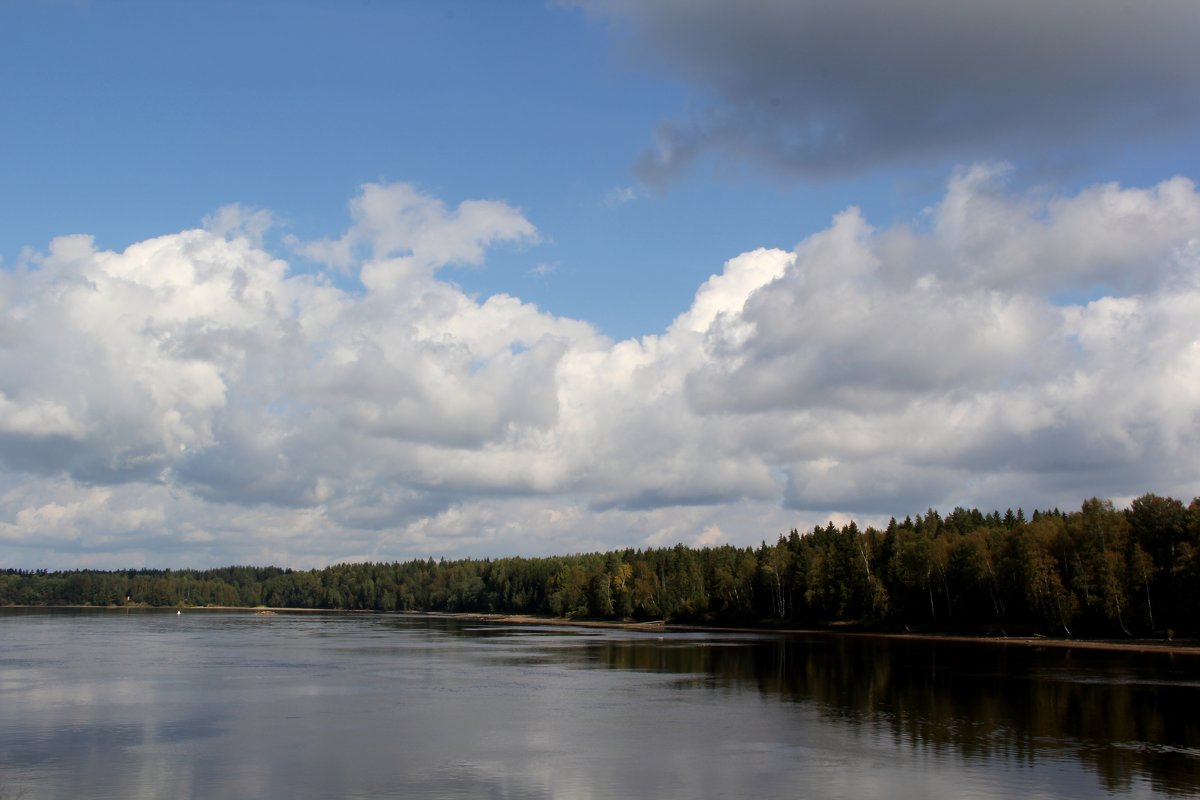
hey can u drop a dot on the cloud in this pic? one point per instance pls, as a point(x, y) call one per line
point(813, 89)
point(397, 223)
point(194, 400)
point(906, 366)
point(1076, 243)
point(622, 195)
point(710, 537)
point(235, 220)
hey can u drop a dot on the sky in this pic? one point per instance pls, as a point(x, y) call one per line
point(305, 282)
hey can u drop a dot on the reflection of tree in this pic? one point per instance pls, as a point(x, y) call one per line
point(1121, 715)
point(8, 794)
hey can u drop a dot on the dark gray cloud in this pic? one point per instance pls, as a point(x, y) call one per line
point(815, 88)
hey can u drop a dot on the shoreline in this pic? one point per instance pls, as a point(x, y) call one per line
point(251, 609)
point(1189, 647)
point(1181, 647)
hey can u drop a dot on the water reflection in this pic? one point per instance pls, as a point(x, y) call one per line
point(108, 705)
point(1120, 714)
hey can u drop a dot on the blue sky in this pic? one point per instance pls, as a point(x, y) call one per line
point(1033, 162)
point(140, 118)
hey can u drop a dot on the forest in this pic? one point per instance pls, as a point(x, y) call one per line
point(1096, 572)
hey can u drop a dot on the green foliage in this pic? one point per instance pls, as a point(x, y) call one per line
point(1098, 571)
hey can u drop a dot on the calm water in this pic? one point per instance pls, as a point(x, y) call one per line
point(111, 704)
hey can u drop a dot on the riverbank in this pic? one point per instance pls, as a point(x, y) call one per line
point(1190, 647)
point(192, 609)
point(1182, 647)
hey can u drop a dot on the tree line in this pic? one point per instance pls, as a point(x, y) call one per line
point(1095, 572)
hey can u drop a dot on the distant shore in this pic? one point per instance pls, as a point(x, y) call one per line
point(1189, 647)
point(144, 607)
point(1183, 646)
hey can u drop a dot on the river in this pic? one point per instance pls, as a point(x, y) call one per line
point(206, 704)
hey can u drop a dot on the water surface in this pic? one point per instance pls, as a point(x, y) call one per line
point(113, 704)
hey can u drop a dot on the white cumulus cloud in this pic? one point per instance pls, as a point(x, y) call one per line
point(194, 400)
